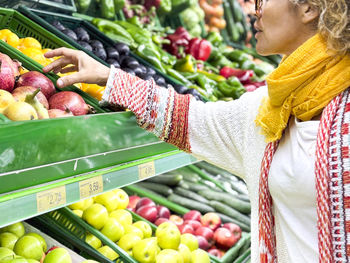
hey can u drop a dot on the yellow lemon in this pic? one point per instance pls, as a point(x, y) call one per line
point(30, 42)
point(34, 54)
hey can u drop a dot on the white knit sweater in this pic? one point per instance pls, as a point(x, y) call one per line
point(225, 134)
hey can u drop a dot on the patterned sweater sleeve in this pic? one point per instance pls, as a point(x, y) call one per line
point(158, 110)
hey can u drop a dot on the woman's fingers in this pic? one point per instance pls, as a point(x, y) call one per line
point(69, 80)
point(63, 51)
point(58, 64)
point(69, 69)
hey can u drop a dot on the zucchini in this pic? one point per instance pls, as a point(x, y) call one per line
point(232, 31)
point(188, 194)
point(243, 257)
point(190, 204)
point(158, 188)
point(227, 219)
point(196, 187)
point(167, 179)
point(226, 210)
point(237, 11)
point(233, 252)
point(228, 199)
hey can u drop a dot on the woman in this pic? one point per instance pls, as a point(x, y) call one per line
point(289, 141)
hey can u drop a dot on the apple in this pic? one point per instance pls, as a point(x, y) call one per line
point(8, 240)
point(16, 228)
point(52, 248)
point(185, 252)
point(205, 232)
point(176, 220)
point(211, 220)
point(122, 198)
point(193, 223)
point(93, 241)
point(108, 200)
point(199, 256)
point(186, 229)
point(148, 212)
point(78, 212)
point(32, 261)
point(234, 229)
point(169, 256)
point(160, 221)
point(130, 229)
point(190, 241)
point(40, 238)
point(145, 251)
point(127, 242)
point(163, 212)
point(58, 255)
point(78, 205)
point(88, 203)
point(96, 215)
point(168, 236)
point(144, 227)
point(193, 215)
point(15, 259)
point(112, 229)
point(28, 247)
point(224, 237)
point(108, 252)
point(215, 252)
point(202, 243)
point(133, 199)
point(144, 201)
point(6, 252)
point(124, 217)
point(89, 261)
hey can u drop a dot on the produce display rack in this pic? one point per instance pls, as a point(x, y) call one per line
point(67, 6)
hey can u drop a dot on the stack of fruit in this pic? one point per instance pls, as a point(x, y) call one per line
point(16, 246)
point(107, 213)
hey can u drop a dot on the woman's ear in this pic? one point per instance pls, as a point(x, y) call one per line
point(308, 13)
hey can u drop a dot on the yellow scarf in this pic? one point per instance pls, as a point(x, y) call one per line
point(302, 85)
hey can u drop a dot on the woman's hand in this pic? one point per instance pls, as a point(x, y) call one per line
point(87, 69)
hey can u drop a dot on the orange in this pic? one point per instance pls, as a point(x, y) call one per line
point(34, 54)
point(30, 42)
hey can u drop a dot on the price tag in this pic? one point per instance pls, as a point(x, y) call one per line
point(146, 170)
point(50, 199)
point(91, 187)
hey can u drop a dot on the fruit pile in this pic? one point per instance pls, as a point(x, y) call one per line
point(16, 246)
point(108, 214)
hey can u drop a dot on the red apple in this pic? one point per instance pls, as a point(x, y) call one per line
point(211, 220)
point(144, 201)
point(205, 232)
point(224, 238)
point(163, 212)
point(148, 212)
point(202, 243)
point(161, 220)
point(234, 229)
point(176, 220)
point(186, 229)
point(215, 252)
point(195, 224)
point(133, 199)
point(193, 215)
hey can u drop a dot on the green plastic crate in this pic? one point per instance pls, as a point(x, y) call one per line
point(68, 6)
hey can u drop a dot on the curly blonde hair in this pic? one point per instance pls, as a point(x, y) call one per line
point(333, 22)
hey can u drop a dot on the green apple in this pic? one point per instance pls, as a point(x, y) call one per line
point(78, 205)
point(169, 256)
point(113, 230)
point(190, 241)
point(130, 229)
point(93, 241)
point(168, 236)
point(185, 252)
point(88, 203)
point(89, 261)
point(122, 198)
point(29, 247)
point(8, 240)
point(199, 256)
point(16, 228)
point(96, 215)
point(108, 200)
point(40, 238)
point(32, 261)
point(124, 217)
point(6, 252)
point(144, 227)
point(14, 260)
point(145, 251)
point(108, 252)
point(58, 255)
point(127, 242)
point(78, 212)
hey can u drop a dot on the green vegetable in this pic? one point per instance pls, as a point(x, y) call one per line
point(195, 31)
point(206, 83)
point(232, 254)
point(107, 9)
point(231, 30)
point(178, 76)
point(147, 191)
point(167, 179)
point(226, 210)
point(118, 5)
point(188, 194)
point(82, 5)
point(158, 188)
point(214, 38)
point(212, 76)
point(189, 18)
point(185, 64)
point(151, 56)
point(140, 35)
point(238, 56)
point(230, 90)
point(134, 20)
point(179, 5)
point(196, 187)
point(111, 28)
point(243, 257)
point(190, 204)
point(165, 7)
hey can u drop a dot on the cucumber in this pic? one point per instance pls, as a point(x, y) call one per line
point(226, 210)
point(237, 11)
point(233, 252)
point(226, 219)
point(196, 187)
point(242, 258)
point(228, 199)
point(148, 191)
point(188, 194)
point(158, 188)
point(190, 204)
point(184, 185)
point(167, 179)
point(188, 175)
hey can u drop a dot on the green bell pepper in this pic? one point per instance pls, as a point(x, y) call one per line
point(231, 88)
point(207, 84)
point(83, 5)
point(214, 38)
point(238, 56)
point(148, 54)
point(222, 61)
point(140, 35)
point(107, 9)
point(118, 5)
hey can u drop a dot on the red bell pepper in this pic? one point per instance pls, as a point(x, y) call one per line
point(200, 49)
point(179, 39)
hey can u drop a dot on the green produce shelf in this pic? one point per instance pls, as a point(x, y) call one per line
point(26, 203)
point(66, 6)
